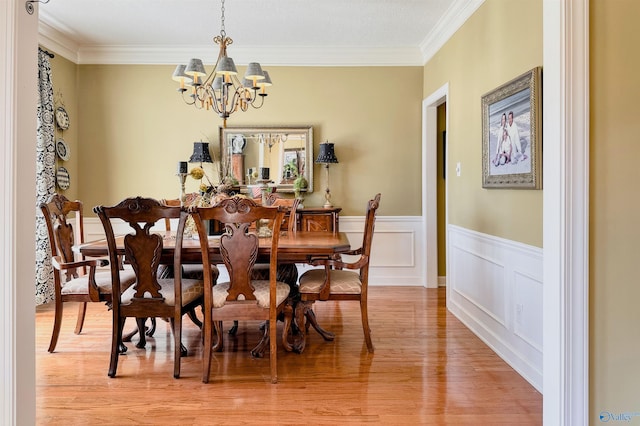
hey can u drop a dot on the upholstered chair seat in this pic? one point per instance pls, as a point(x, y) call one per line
point(80, 285)
point(191, 291)
point(261, 293)
point(342, 282)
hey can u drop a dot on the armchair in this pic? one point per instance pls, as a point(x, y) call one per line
point(333, 282)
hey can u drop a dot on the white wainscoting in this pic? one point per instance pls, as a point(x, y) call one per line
point(397, 257)
point(495, 289)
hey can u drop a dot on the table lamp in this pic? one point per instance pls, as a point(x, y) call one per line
point(327, 156)
point(200, 153)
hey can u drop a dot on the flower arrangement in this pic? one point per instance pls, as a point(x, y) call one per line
point(207, 188)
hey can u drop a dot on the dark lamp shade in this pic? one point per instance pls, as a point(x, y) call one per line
point(200, 153)
point(326, 154)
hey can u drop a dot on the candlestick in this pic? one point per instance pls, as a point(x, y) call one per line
point(264, 173)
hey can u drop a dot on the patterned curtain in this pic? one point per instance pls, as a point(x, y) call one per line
point(45, 178)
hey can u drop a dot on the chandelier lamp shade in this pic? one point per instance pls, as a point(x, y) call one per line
point(221, 90)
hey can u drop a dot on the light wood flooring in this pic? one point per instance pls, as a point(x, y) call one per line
point(428, 368)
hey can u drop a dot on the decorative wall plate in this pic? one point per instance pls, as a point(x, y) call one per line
point(62, 178)
point(62, 149)
point(62, 118)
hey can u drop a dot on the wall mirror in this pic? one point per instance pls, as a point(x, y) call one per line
point(272, 155)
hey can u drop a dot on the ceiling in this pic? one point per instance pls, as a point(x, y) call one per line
point(282, 32)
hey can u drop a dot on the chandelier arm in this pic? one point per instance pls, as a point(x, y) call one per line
point(236, 101)
point(188, 99)
point(219, 103)
point(201, 93)
point(256, 106)
point(212, 74)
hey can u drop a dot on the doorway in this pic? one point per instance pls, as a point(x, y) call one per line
point(430, 177)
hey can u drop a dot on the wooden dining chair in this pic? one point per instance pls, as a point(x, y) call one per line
point(291, 206)
point(72, 281)
point(241, 298)
point(287, 273)
point(188, 270)
point(149, 296)
point(192, 271)
point(333, 282)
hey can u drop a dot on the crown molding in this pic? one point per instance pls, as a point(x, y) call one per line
point(269, 55)
point(54, 40)
point(446, 27)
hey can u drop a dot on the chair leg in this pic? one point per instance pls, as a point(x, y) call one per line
point(311, 319)
point(207, 330)
point(127, 337)
point(258, 351)
point(365, 324)
point(234, 328)
point(273, 350)
point(194, 318)
point(303, 329)
point(183, 348)
point(217, 327)
point(118, 325)
point(82, 309)
point(288, 316)
point(176, 326)
point(143, 340)
point(57, 322)
point(150, 331)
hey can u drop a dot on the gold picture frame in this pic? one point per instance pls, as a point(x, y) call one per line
point(511, 134)
point(268, 147)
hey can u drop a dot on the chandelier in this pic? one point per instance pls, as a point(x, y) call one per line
point(222, 91)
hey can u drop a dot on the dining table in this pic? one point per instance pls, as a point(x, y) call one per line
point(293, 247)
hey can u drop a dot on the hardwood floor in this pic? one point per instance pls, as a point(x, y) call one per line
point(428, 368)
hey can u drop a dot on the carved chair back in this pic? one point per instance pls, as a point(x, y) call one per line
point(369, 226)
point(63, 233)
point(142, 249)
point(238, 246)
point(175, 202)
point(291, 206)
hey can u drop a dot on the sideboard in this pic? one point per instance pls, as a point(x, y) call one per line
point(318, 219)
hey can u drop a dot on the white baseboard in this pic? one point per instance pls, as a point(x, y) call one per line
point(397, 257)
point(495, 289)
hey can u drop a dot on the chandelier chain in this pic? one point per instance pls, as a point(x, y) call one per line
point(223, 33)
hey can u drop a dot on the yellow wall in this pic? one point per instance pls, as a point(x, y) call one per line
point(502, 40)
point(64, 75)
point(134, 128)
point(615, 208)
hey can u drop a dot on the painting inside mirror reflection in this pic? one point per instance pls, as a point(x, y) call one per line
point(275, 156)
